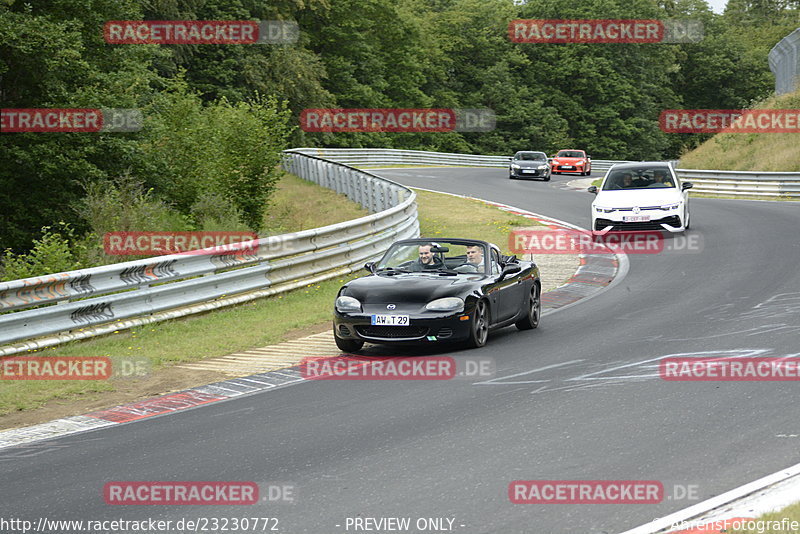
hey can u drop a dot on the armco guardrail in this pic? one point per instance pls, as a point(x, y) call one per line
point(739, 183)
point(190, 283)
point(784, 62)
point(388, 156)
point(734, 183)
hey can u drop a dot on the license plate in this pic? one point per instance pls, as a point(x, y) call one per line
point(636, 218)
point(567, 166)
point(529, 172)
point(390, 320)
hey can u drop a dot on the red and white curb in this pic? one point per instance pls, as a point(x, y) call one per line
point(165, 404)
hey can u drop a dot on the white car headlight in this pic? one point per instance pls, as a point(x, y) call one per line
point(542, 167)
point(452, 304)
point(601, 209)
point(515, 166)
point(668, 207)
point(347, 304)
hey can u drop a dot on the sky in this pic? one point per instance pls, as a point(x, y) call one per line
point(717, 6)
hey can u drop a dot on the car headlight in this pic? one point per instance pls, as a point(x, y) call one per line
point(542, 167)
point(515, 166)
point(452, 304)
point(347, 304)
point(601, 209)
point(668, 207)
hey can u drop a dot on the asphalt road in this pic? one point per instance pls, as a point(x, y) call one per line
point(577, 399)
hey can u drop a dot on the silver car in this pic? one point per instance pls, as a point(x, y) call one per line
point(529, 164)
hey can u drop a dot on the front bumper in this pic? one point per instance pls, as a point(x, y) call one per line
point(575, 168)
point(427, 328)
point(529, 173)
point(612, 222)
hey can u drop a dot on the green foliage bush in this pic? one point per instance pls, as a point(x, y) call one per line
point(57, 250)
point(221, 153)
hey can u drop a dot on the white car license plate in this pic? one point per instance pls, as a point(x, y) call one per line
point(390, 320)
point(529, 172)
point(567, 166)
point(636, 218)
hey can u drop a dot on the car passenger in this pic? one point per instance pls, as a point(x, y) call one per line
point(661, 177)
point(427, 260)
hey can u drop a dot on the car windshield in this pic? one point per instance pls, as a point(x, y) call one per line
point(570, 154)
point(433, 256)
point(530, 156)
point(639, 178)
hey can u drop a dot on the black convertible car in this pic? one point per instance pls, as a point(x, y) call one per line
point(430, 291)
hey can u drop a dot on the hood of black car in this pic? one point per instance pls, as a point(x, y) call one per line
point(410, 288)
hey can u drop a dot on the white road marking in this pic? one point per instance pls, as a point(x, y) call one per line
point(496, 380)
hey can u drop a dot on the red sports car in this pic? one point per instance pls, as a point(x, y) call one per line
point(571, 161)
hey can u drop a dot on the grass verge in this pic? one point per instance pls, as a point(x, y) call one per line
point(776, 522)
point(751, 151)
point(301, 205)
point(258, 323)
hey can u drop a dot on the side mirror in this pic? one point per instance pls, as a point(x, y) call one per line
point(370, 266)
point(592, 189)
point(686, 185)
point(510, 268)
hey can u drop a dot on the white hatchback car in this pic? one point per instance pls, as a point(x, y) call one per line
point(641, 196)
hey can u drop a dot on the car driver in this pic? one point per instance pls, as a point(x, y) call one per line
point(427, 260)
point(475, 257)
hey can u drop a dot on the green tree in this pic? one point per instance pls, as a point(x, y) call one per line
point(52, 55)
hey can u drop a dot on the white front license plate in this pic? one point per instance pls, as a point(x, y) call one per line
point(390, 320)
point(529, 172)
point(636, 218)
point(567, 167)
